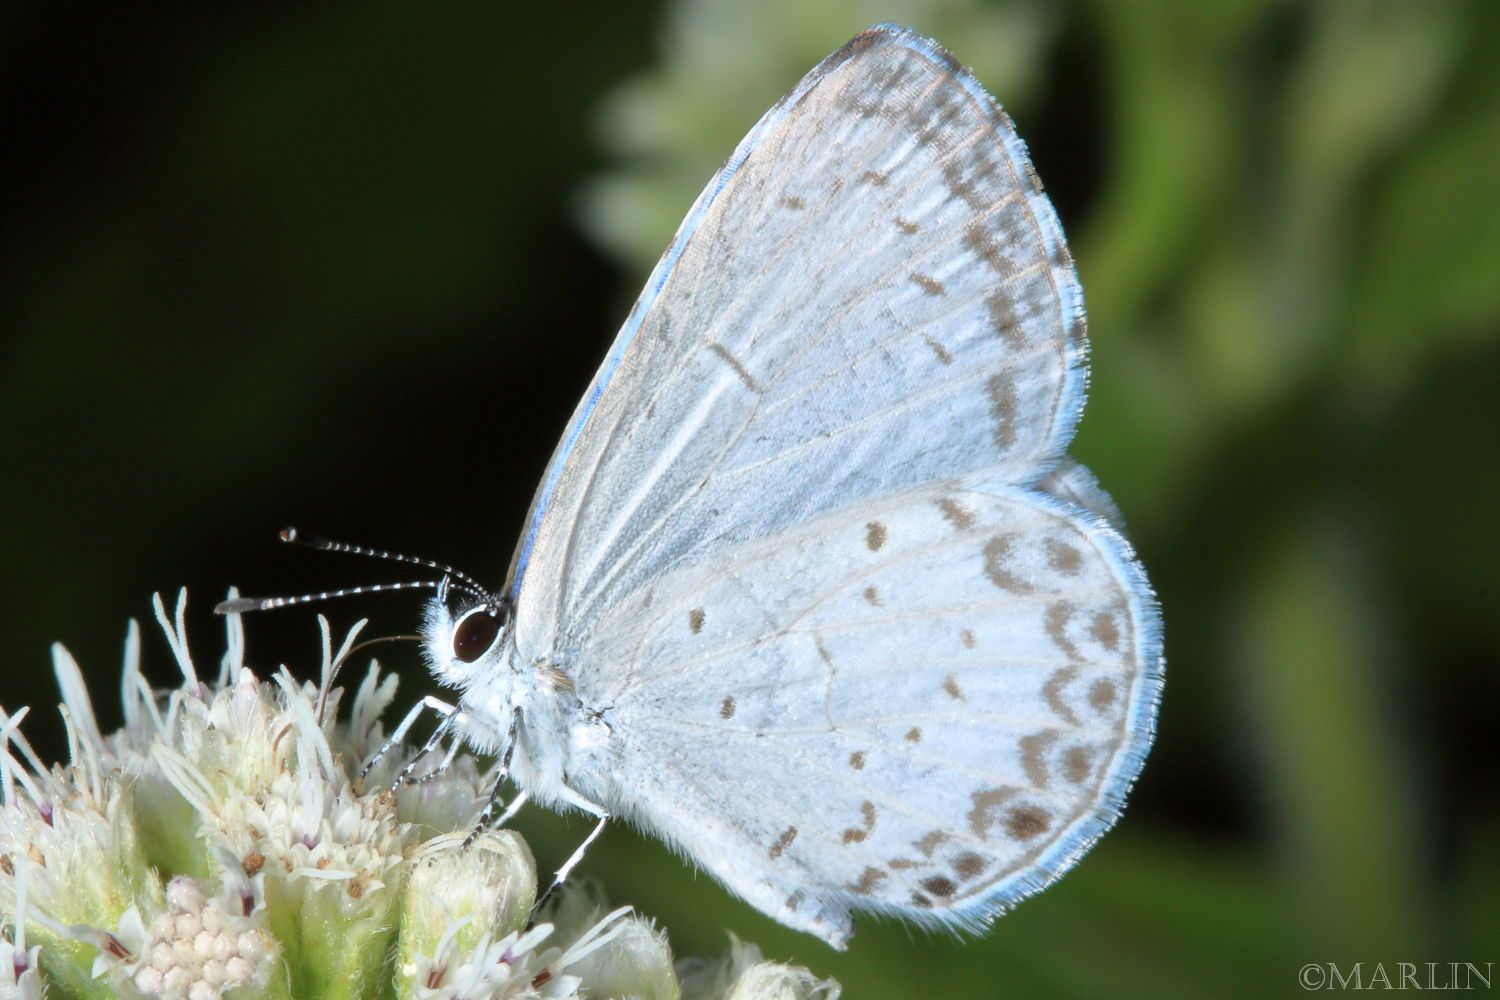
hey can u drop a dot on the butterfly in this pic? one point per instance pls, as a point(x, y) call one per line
point(810, 589)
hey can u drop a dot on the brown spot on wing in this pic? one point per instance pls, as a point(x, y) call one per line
point(1078, 763)
point(960, 186)
point(735, 363)
point(1058, 616)
point(874, 535)
point(1052, 694)
point(942, 352)
point(968, 865)
point(792, 202)
point(1102, 695)
point(906, 226)
point(920, 901)
point(1027, 822)
point(872, 596)
point(935, 129)
point(986, 801)
point(950, 685)
point(1034, 755)
point(940, 886)
point(783, 842)
point(867, 881)
point(979, 241)
point(928, 284)
point(867, 815)
point(695, 620)
point(882, 79)
point(1002, 393)
point(931, 842)
point(726, 710)
point(996, 554)
point(1063, 557)
point(1003, 318)
point(857, 760)
point(967, 636)
point(854, 100)
point(874, 178)
point(914, 735)
point(956, 514)
point(1105, 631)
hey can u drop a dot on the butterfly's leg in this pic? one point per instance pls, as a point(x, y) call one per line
point(442, 768)
point(593, 809)
point(510, 810)
point(502, 773)
point(443, 728)
point(429, 702)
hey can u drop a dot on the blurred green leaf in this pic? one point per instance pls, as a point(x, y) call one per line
point(1337, 777)
point(1428, 282)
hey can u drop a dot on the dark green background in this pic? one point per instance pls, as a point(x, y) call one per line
point(349, 267)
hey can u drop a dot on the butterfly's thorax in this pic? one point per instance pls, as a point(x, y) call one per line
point(558, 736)
point(558, 740)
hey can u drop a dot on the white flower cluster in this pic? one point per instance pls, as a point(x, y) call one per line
point(219, 846)
point(198, 947)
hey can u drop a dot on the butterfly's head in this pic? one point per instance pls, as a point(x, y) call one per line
point(464, 638)
point(464, 629)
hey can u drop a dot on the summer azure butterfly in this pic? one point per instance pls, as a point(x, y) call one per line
point(810, 589)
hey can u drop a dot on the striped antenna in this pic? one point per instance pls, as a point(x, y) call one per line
point(294, 537)
point(239, 605)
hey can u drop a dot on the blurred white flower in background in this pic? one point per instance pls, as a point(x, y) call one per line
point(219, 845)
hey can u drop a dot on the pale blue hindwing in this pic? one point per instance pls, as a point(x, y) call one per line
point(855, 776)
point(1141, 712)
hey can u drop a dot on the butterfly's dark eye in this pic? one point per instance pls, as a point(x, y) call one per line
point(475, 634)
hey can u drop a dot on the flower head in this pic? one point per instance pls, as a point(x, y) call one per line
point(220, 845)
